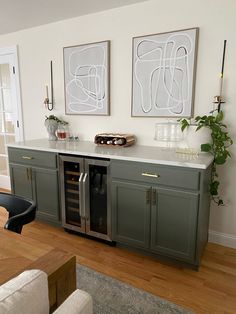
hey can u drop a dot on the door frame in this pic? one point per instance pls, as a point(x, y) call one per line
point(12, 52)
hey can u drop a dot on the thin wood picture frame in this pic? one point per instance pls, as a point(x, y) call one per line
point(86, 79)
point(163, 74)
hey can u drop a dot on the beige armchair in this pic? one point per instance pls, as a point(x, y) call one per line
point(28, 293)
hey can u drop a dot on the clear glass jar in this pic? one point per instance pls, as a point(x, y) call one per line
point(168, 132)
point(62, 132)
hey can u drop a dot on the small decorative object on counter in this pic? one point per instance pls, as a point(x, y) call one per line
point(61, 132)
point(169, 131)
point(114, 139)
point(73, 137)
point(53, 125)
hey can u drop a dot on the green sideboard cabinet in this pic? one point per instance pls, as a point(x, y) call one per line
point(162, 210)
point(34, 174)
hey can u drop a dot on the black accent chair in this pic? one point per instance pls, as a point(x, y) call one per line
point(21, 211)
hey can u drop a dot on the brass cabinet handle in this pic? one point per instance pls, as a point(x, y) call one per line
point(148, 197)
point(27, 157)
point(30, 171)
point(29, 174)
point(148, 174)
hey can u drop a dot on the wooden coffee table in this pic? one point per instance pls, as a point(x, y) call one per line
point(18, 253)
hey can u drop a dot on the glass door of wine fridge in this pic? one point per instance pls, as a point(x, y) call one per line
point(97, 198)
point(71, 176)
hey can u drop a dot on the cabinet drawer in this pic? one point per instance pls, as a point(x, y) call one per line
point(156, 174)
point(32, 157)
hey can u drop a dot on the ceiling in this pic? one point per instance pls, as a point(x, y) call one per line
point(20, 14)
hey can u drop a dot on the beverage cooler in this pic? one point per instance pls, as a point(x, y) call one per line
point(85, 196)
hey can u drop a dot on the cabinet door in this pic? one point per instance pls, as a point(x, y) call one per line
point(45, 183)
point(174, 223)
point(131, 213)
point(21, 183)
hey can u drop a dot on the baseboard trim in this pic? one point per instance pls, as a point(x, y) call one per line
point(222, 238)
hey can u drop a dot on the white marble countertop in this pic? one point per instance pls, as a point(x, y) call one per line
point(149, 154)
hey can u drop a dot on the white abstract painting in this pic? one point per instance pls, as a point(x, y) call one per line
point(86, 70)
point(164, 74)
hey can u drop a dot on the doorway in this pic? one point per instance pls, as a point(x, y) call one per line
point(11, 129)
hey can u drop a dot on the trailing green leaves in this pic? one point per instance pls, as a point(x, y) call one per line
point(220, 141)
point(55, 118)
point(184, 124)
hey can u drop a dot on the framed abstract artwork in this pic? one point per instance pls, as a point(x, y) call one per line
point(86, 77)
point(164, 74)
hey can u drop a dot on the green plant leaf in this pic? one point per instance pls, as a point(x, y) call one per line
point(206, 147)
point(214, 187)
point(198, 118)
point(219, 116)
point(220, 160)
point(199, 127)
point(184, 124)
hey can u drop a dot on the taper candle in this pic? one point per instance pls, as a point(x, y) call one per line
point(46, 91)
point(222, 69)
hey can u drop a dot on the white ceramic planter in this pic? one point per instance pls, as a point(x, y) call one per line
point(194, 138)
point(51, 126)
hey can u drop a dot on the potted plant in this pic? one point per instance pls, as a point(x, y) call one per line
point(218, 146)
point(52, 122)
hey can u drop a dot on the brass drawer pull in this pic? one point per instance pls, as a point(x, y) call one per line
point(148, 174)
point(27, 157)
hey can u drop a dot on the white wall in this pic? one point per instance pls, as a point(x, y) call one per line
point(216, 20)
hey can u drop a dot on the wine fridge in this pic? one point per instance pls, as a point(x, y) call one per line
point(85, 195)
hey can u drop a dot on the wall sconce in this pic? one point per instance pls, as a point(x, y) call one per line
point(49, 104)
point(219, 99)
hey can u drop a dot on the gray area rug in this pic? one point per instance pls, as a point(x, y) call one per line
point(111, 296)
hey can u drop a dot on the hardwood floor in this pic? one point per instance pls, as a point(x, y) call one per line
point(210, 290)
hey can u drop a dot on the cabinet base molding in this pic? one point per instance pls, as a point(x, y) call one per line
point(52, 222)
point(159, 258)
point(224, 239)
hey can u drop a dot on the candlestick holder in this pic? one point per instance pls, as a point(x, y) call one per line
point(49, 104)
point(218, 100)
